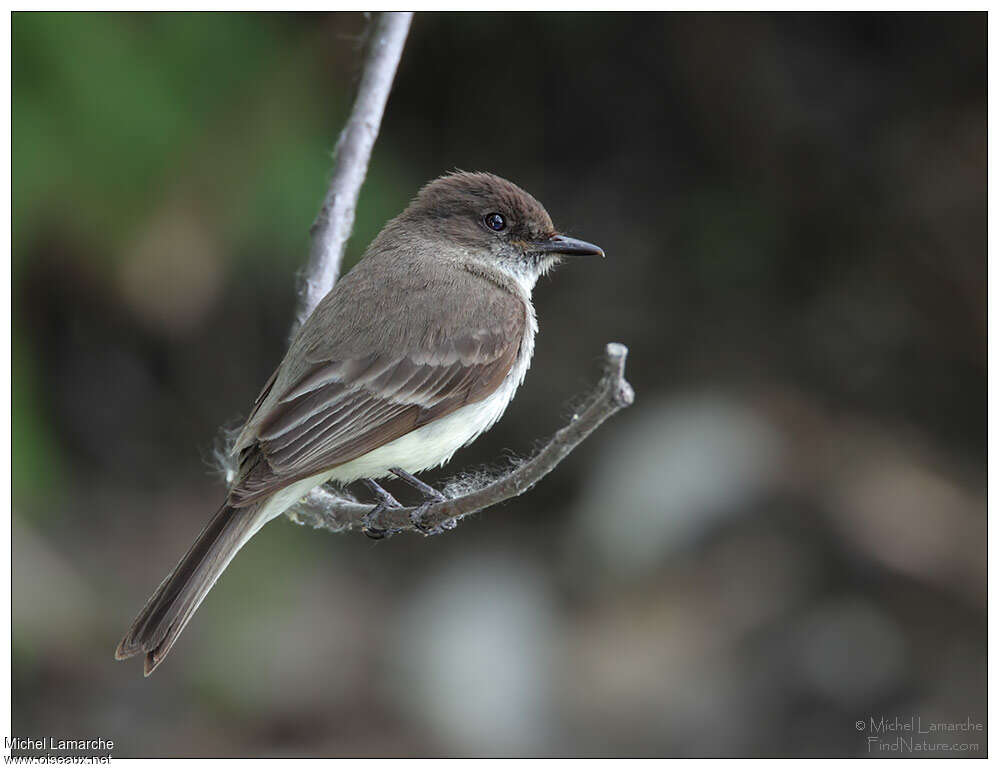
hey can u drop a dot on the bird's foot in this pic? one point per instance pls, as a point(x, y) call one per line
point(370, 525)
point(431, 497)
point(416, 517)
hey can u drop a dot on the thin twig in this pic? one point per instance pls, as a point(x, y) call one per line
point(335, 220)
point(324, 508)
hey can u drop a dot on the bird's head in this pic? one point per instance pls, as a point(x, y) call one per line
point(496, 221)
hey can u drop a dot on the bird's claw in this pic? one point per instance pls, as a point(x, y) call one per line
point(416, 517)
point(431, 497)
point(369, 528)
point(386, 502)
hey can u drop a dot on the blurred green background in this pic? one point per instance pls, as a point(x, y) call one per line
point(783, 536)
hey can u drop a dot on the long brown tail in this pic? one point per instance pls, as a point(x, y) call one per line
point(170, 608)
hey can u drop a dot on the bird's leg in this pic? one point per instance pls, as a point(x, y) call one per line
point(385, 501)
point(421, 486)
point(431, 496)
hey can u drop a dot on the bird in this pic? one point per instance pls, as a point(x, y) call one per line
point(414, 353)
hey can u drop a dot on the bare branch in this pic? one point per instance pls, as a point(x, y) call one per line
point(335, 220)
point(325, 508)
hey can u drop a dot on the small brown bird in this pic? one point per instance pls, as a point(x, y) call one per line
point(412, 355)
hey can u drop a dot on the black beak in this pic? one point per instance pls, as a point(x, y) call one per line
point(561, 244)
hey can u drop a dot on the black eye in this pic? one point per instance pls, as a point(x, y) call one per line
point(495, 221)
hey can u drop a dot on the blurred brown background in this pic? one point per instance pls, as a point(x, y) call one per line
point(785, 535)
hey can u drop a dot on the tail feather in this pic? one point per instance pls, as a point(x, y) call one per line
point(155, 630)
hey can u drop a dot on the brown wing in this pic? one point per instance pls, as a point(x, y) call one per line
point(338, 410)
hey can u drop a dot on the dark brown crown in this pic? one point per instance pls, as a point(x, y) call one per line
point(479, 193)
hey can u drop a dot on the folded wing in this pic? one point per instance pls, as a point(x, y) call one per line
point(338, 410)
